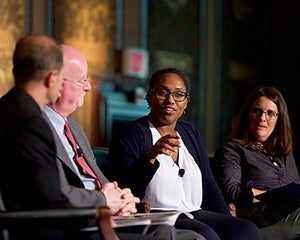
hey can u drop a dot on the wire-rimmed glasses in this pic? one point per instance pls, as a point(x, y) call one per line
point(270, 114)
point(83, 82)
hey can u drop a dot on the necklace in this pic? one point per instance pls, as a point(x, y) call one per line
point(259, 146)
point(275, 162)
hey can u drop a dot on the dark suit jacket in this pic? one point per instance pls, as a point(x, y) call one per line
point(28, 172)
point(71, 184)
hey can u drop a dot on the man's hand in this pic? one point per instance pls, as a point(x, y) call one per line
point(131, 201)
point(120, 201)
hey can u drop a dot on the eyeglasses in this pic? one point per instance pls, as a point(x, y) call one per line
point(162, 94)
point(270, 114)
point(81, 83)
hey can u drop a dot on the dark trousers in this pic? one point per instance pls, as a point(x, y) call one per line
point(160, 232)
point(216, 226)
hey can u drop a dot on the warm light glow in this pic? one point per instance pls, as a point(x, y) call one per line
point(12, 27)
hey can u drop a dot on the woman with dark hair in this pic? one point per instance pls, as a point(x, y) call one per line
point(257, 158)
point(164, 161)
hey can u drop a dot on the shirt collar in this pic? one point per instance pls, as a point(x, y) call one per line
point(57, 120)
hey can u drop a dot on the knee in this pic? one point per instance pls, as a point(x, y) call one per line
point(250, 230)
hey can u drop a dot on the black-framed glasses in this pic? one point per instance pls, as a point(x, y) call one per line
point(163, 94)
point(270, 114)
point(83, 82)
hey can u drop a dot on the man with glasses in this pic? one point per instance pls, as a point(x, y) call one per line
point(84, 184)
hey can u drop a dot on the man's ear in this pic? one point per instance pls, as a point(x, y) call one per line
point(50, 78)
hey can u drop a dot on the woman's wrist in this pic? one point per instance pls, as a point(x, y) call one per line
point(232, 209)
point(150, 158)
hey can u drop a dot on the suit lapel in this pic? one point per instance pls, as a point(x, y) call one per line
point(61, 153)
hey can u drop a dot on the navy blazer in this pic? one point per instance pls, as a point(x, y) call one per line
point(129, 165)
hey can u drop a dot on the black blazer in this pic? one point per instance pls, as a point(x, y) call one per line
point(28, 174)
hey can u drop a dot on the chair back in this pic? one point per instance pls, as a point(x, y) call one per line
point(101, 154)
point(3, 232)
point(2, 207)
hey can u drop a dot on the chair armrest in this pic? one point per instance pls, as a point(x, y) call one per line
point(7, 217)
point(102, 215)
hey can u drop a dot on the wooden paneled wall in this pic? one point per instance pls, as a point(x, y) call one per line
point(88, 26)
point(12, 27)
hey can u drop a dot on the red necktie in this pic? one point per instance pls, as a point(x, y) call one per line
point(79, 157)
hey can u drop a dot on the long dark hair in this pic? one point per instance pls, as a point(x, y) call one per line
point(280, 141)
